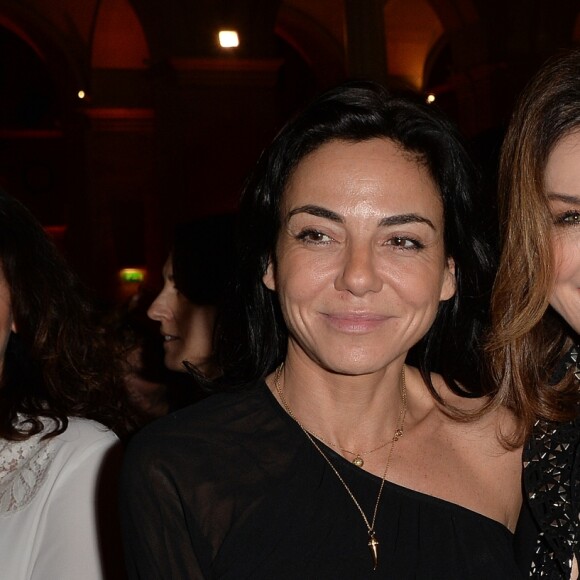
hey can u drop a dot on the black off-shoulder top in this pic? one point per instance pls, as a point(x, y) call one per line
point(231, 488)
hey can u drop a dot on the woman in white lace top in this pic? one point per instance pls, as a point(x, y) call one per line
point(60, 403)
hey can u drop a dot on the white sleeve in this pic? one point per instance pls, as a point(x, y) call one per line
point(71, 542)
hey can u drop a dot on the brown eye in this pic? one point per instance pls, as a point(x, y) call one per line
point(314, 237)
point(405, 243)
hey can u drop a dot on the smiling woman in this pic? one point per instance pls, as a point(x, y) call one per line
point(563, 188)
point(536, 311)
point(363, 220)
point(329, 455)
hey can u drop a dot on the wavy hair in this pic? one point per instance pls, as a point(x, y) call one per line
point(252, 335)
point(528, 339)
point(57, 364)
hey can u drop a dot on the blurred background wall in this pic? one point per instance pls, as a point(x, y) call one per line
point(121, 118)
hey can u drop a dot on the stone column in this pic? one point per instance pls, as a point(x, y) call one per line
point(120, 205)
point(366, 56)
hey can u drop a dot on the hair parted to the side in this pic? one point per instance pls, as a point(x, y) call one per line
point(527, 338)
point(57, 364)
point(252, 336)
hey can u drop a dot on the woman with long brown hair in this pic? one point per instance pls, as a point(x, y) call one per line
point(536, 309)
point(61, 402)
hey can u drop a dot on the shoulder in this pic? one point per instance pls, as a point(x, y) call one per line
point(216, 412)
point(216, 421)
point(80, 451)
point(87, 432)
point(463, 420)
point(86, 452)
point(84, 440)
point(553, 442)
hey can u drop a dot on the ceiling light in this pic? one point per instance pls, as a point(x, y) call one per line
point(228, 38)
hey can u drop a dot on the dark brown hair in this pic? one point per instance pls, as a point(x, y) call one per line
point(57, 364)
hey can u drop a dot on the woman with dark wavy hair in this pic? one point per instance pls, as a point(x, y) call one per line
point(536, 310)
point(61, 400)
point(330, 455)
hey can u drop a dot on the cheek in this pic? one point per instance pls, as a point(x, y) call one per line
point(183, 313)
point(299, 277)
point(566, 254)
point(420, 284)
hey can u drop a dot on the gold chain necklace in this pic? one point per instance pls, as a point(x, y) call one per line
point(373, 543)
point(358, 456)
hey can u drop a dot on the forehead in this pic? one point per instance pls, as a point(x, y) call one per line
point(168, 267)
point(563, 167)
point(377, 174)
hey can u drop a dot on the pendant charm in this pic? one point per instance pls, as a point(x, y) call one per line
point(358, 461)
point(374, 547)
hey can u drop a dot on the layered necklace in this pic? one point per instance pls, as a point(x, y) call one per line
point(373, 542)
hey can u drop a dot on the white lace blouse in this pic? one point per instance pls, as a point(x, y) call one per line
point(48, 496)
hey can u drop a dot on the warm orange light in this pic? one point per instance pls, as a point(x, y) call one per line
point(228, 38)
point(81, 94)
point(430, 98)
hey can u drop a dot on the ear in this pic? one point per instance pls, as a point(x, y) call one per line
point(269, 278)
point(449, 285)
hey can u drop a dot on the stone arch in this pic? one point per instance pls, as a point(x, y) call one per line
point(314, 43)
point(68, 74)
point(118, 40)
point(412, 28)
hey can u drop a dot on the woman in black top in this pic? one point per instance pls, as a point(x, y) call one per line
point(328, 455)
point(536, 310)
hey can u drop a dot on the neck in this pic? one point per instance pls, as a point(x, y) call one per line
point(353, 412)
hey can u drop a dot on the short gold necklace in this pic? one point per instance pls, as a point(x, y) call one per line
point(373, 543)
point(358, 456)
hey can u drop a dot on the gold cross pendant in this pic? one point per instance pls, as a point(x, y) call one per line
point(374, 547)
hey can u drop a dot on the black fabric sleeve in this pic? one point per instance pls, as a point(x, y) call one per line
point(161, 540)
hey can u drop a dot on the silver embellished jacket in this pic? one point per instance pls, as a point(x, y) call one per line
point(552, 489)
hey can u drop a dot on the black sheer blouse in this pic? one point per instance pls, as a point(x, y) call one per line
point(232, 489)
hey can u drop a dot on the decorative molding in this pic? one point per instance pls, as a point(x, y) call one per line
point(121, 119)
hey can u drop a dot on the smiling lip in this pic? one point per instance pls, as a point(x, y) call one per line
point(355, 322)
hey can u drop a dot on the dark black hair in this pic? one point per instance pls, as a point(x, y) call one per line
point(203, 257)
point(252, 336)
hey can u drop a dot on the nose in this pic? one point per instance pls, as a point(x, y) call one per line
point(159, 309)
point(358, 273)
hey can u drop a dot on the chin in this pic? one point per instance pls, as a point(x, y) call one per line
point(353, 367)
point(177, 366)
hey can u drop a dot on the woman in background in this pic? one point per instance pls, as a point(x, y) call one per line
point(195, 276)
point(536, 310)
point(61, 402)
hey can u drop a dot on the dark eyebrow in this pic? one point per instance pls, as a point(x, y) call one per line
point(406, 218)
point(317, 211)
point(394, 220)
point(571, 199)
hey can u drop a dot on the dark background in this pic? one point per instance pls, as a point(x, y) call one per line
point(171, 123)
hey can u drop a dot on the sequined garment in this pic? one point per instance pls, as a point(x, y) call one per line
point(552, 482)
